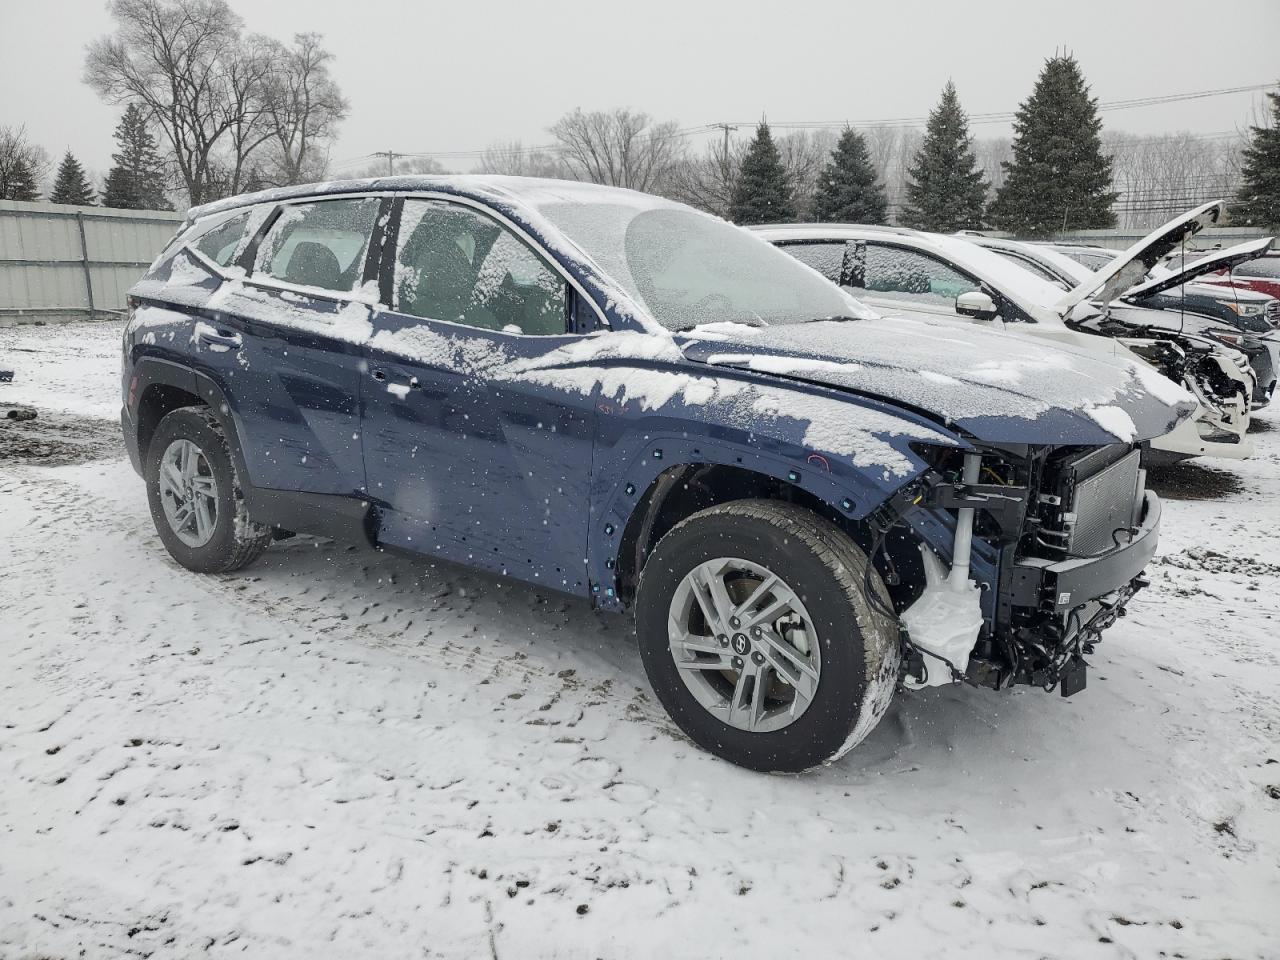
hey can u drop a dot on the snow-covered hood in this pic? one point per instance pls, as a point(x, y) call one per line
point(996, 386)
point(1130, 267)
point(1219, 260)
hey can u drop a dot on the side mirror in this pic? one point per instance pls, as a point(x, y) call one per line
point(976, 304)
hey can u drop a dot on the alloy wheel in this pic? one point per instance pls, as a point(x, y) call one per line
point(188, 493)
point(744, 644)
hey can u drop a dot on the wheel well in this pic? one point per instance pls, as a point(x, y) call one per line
point(158, 400)
point(684, 490)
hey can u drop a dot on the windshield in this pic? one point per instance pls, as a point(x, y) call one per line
point(688, 268)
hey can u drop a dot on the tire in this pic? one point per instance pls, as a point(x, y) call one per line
point(231, 540)
point(819, 565)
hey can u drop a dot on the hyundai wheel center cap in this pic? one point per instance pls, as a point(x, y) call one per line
point(741, 644)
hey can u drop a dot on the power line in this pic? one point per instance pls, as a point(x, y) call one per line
point(974, 119)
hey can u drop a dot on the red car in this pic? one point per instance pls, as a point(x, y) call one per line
point(1261, 275)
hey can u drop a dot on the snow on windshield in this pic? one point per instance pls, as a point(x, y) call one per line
point(687, 268)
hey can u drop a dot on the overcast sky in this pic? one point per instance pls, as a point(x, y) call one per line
point(454, 76)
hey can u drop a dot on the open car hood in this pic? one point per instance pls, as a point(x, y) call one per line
point(1219, 259)
point(1130, 267)
point(996, 386)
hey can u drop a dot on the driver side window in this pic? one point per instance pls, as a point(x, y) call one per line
point(908, 275)
point(455, 264)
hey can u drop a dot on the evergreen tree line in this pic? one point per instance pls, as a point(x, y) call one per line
point(1058, 177)
point(136, 180)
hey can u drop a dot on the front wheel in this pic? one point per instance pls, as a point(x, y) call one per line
point(759, 639)
point(195, 497)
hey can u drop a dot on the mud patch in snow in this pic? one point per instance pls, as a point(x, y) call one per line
point(1192, 480)
point(56, 438)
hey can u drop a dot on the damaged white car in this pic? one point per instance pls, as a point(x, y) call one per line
point(909, 273)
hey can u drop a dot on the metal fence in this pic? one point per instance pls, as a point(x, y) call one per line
point(1121, 239)
point(61, 263)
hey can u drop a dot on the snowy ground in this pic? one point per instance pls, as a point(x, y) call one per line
point(337, 753)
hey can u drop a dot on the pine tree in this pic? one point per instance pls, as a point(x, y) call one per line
point(18, 181)
point(1059, 178)
point(761, 193)
point(136, 181)
point(71, 185)
point(848, 189)
point(1260, 189)
point(945, 189)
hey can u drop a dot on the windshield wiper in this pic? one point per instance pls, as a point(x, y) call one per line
point(743, 321)
point(835, 318)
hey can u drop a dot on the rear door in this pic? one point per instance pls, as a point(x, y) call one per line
point(285, 342)
point(472, 451)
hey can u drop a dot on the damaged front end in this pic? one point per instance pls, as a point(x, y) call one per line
point(1221, 380)
point(1008, 562)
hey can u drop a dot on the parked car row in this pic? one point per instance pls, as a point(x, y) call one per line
point(805, 505)
point(1243, 316)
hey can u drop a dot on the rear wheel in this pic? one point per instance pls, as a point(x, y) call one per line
point(195, 497)
point(758, 637)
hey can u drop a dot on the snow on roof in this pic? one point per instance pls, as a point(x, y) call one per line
point(531, 190)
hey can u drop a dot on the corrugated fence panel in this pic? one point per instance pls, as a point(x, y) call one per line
point(1117, 239)
point(43, 269)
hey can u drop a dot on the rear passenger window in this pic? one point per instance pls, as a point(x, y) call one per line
point(826, 258)
point(320, 244)
point(220, 243)
point(457, 265)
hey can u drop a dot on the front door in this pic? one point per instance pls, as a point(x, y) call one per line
point(472, 452)
point(898, 281)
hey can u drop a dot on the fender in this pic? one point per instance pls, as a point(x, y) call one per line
point(637, 459)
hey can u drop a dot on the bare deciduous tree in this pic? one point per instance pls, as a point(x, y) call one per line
point(400, 165)
point(304, 107)
point(249, 123)
point(23, 165)
point(804, 155)
point(706, 180)
point(892, 148)
point(992, 154)
point(171, 57)
point(237, 112)
point(622, 148)
point(515, 159)
point(1158, 176)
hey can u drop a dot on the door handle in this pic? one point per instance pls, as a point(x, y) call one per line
point(221, 340)
point(381, 377)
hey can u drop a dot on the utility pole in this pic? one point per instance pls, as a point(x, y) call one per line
point(726, 127)
point(391, 160)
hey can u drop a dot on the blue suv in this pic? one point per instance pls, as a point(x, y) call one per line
point(616, 396)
